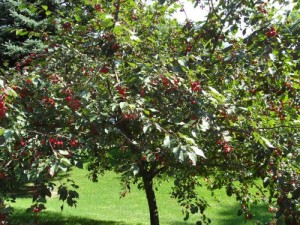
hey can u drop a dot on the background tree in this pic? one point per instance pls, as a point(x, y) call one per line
point(129, 89)
point(24, 23)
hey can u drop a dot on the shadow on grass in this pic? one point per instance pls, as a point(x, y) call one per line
point(228, 216)
point(181, 223)
point(225, 216)
point(20, 217)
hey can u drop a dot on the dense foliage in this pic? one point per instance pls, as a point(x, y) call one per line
point(123, 86)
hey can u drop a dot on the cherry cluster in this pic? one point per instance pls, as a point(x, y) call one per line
point(73, 103)
point(3, 219)
point(3, 108)
point(272, 32)
point(121, 91)
point(196, 86)
point(226, 146)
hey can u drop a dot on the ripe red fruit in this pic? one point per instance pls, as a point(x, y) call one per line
point(227, 148)
point(51, 101)
point(55, 78)
point(2, 216)
point(75, 104)
point(121, 91)
point(3, 109)
point(157, 156)
point(2, 175)
point(272, 32)
point(59, 143)
point(98, 7)
point(68, 98)
point(28, 60)
point(219, 142)
point(188, 48)
point(176, 81)
point(165, 81)
point(104, 70)
point(28, 81)
point(196, 86)
point(73, 143)
point(67, 26)
point(115, 47)
point(142, 92)
point(36, 210)
point(22, 143)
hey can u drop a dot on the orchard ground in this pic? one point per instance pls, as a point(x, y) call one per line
point(100, 203)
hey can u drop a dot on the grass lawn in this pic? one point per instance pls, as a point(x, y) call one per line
point(99, 203)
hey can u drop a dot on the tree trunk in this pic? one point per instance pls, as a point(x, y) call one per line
point(148, 183)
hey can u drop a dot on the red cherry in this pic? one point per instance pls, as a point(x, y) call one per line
point(28, 60)
point(98, 7)
point(165, 81)
point(188, 48)
point(73, 143)
point(22, 143)
point(51, 101)
point(67, 26)
point(2, 175)
point(104, 70)
point(115, 47)
point(36, 209)
point(68, 98)
point(75, 104)
point(196, 86)
point(142, 92)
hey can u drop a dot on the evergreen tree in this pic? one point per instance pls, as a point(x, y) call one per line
point(21, 23)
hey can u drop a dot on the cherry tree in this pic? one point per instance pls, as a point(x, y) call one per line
point(125, 87)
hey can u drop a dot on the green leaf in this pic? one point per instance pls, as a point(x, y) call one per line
point(45, 7)
point(192, 157)
point(65, 161)
point(167, 141)
point(182, 62)
point(77, 17)
point(21, 32)
point(187, 139)
point(118, 30)
point(272, 57)
point(63, 152)
point(198, 151)
point(267, 142)
point(1, 131)
point(135, 169)
point(146, 127)
point(133, 65)
point(124, 106)
point(53, 169)
point(12, 92)
point(205, 125)
point(8, 134)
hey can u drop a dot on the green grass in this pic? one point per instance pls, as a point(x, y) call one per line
point(100, 204)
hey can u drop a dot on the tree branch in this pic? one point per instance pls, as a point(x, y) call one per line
point(117, 5)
